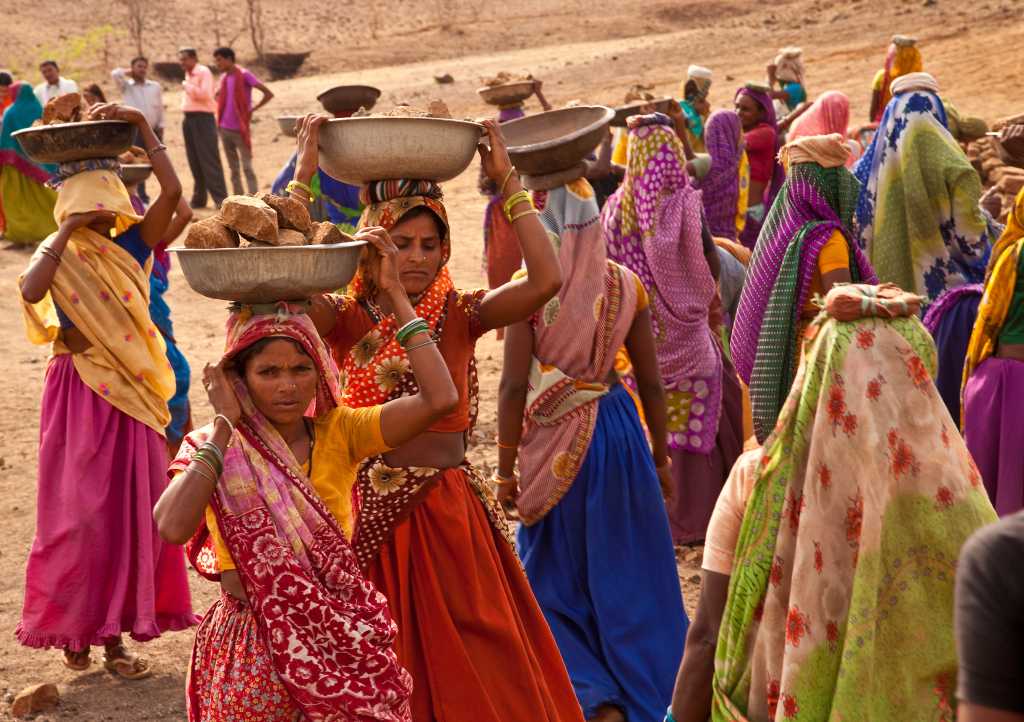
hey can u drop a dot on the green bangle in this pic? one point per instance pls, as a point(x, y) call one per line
point(409, 330)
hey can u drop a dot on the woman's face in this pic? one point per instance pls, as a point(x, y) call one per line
point(420, 251)
point(282, 381)
point(750, 112)
point(702, 106)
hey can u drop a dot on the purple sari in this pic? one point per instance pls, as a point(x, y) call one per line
point(720, 188)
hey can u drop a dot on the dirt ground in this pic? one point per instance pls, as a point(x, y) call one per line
point(972, 51)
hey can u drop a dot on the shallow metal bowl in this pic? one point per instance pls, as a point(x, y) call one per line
point(348, 98)
point(135, 173)
point(288, 124)
point(506, 93)
point(556, 140)
point(361, 150)
point(268, 275)
point(66, 142)
point(661, 105)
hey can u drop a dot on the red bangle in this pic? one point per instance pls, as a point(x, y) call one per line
point(510, 447)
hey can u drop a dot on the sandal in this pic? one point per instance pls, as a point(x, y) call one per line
point(77, 661)
point(126, 665)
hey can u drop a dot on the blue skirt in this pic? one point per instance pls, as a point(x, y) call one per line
point(952, 335)
point(602, 566)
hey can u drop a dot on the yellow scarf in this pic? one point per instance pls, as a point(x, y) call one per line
point(102, 289)
point(999, 286)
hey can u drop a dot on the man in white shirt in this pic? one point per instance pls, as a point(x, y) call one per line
point(54, 84)
point(145, 95)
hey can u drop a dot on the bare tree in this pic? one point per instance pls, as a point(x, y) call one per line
point(256, 31)
point(221, 40)
point(137, 11)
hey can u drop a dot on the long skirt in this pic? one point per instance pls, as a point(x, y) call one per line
point(28, 207)
point(994, 430)
point(231, 676)
point(603, 568)
point(97, 567)
point(698, 478)
point(952, 333)
point(469, 629)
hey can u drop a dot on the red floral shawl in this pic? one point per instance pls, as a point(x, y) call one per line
point(327, 629)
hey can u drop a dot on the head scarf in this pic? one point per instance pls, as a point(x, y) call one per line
point(915, 81)
point(814, 203)
point(698, 81)
point(102, 289)
point(828, 151)
point(721, 187)
point(576, 337)
point(291, 554)
point(21, 114)
point(830, 113)
point(789, 65)
point(918, 212)
point(1000, 285)
point(387, 202)
point(763, 99)
point(903, 58)
point(864, 495)
point(653, 227)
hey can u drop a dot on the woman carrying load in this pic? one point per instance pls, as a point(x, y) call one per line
point(902, 58)
point(268, 488)
point(27, 200)
point(98, 568)
point(429, 533)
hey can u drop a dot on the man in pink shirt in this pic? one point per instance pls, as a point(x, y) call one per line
point(234, 112)
point(200, 130)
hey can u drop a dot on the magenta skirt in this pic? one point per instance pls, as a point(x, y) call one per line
point(97, 567)
point(994, 430)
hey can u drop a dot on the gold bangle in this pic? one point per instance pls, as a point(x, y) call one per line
point(508, 177)
point(505, 446)
point(198, 468)
point(514, 200)
point(523, 214)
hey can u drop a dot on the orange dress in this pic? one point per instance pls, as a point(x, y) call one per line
point(435, 543)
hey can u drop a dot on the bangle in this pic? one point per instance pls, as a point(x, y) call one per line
point(508, 177)
point(414, 327)
point(505, 446)
point(428, 342)
point(231, 427)
point(404, 329)
point(211, 461)
point(505, 479)
point(51, 254)
point(215, 450)
point(668, 715)
point(514, 200)
point(198, 468)
point(150, 152)
point(523, 214)
point(666, 465)
point(198, 463)
point(295, 185)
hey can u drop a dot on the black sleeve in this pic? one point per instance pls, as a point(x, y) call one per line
point(990, 617)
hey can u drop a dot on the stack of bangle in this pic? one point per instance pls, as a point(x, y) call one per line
point(406, 332)
point(210, 456)
point(300, 186)
point(514, 200)
point(50, 253)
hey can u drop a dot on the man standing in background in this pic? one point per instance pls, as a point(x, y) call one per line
point(200, 131)
point(234, 113)
point(54, 85)
point(145, 95)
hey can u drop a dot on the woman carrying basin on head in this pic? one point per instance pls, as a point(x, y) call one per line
point(429, 532)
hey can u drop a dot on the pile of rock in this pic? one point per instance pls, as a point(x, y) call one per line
point(250, 222)
point(67, 108)
point(999, 162)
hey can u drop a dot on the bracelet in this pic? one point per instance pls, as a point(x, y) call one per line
point(666, 465)
point(215, 450)
point(404, 330)
point(206, 458)
point(51, 254)
point(505, 446)
point(231, 427)
point(508, 177)
point(514, 200)
point(505, 479)
point(295, 185)
point(151, 152)
point(668, 715)
point(421, 345)
point(523, 214)
point(198, 468)
point(414, 327)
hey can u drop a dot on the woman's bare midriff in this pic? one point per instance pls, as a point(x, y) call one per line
point(433, 449)
point(1011, 350)
point(75, 340)
point(231, 583)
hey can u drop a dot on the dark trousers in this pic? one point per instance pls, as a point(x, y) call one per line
point(143, 196)
point(200, 131)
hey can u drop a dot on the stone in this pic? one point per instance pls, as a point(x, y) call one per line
point(251, 217)
point(210, 233)
point(35, 699)
point(291, 213)
point(288, 237)
point(444, 79)
point(326, 233)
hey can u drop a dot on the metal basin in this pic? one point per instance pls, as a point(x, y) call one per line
point(361, 150)
point(267, 275)
point(661, 105)
point(134, 173)
point(507, 93)
point(287, 124)
point(65, 142)
point(556, 140)
point(348, 98)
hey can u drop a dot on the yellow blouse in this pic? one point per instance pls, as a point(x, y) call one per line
point(341, 440)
